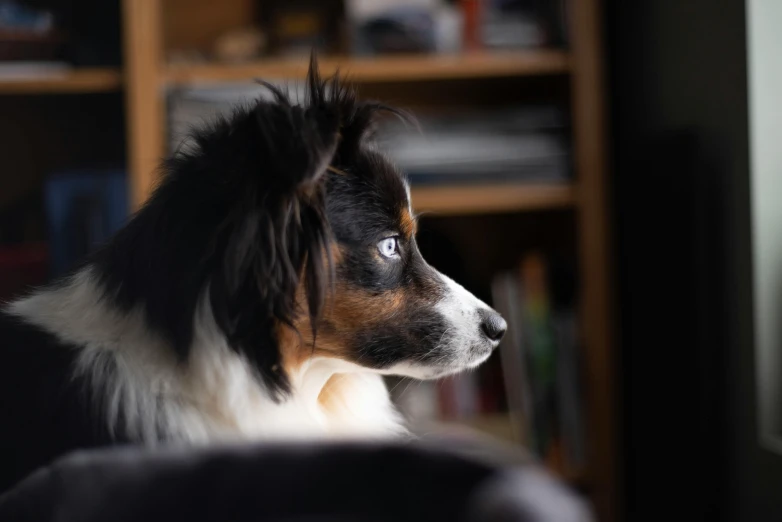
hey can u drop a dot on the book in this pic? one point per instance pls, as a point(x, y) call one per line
point(540, 361)
point(27, 70)
point(22, 266)
point(459, 146)
point(506, 301)
point(462, 146)
point(84, 208)
point(569, 389)
point(539, 348)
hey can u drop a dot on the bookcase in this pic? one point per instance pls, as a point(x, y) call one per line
point(573, 214)
point(489, 225)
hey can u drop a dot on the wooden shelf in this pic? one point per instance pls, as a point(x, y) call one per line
point(75, 81)
point(487, 199)
point(383, 69)
point(577, 75)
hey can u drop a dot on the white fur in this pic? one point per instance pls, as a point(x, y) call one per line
point(461, 310)
point(463, 345)
point(212, 397)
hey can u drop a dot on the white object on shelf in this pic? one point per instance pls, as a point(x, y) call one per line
point(22, 71)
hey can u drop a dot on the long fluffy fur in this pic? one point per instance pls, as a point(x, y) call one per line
point(214, 313)
point(265, 216)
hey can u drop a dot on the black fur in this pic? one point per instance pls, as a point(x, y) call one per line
point(244, 215)
point(44, 410)
point(364, 205)
point(242, 222)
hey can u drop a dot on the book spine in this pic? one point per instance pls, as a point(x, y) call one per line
point(514, 368)
point(569, 391)
point(471, 10)
point(539, 349)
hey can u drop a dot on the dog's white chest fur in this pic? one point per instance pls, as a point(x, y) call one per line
point(214, 396)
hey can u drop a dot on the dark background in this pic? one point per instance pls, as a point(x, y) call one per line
point(679, 117)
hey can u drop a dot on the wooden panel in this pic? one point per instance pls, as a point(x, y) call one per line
point(76, 81)
point(589, 127)
point(144, 96)
point(436, 96)
point(195, 24)
point(383, 69)
point(483, 199)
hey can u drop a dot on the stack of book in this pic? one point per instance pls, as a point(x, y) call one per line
point(458, 146)
point(530, 390)
point(462, 398)
point(489, 145)
point(540, 362)
point(193, 108)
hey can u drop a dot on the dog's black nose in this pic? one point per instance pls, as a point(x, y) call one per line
point(492, 324)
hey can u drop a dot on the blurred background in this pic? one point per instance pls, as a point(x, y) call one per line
point(605, 173)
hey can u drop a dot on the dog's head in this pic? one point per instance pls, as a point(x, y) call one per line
point(300, 236)
point(390, 310)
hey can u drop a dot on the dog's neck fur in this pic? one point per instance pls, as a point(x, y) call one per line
point(214, 395)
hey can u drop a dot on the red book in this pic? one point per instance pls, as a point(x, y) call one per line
point(472, 18)
point(21, 267)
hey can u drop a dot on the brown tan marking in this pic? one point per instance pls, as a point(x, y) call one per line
point(296, 343)
point(348, 310)
point(335, 170)
point(331, 397)
point(408, 225)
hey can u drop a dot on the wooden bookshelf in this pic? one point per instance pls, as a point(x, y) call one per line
point(152, 28)
point(409, 68)
point(491, 198)
point(73, 81)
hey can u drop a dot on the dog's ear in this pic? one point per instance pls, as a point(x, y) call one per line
point(277, 239)
point(358, 119)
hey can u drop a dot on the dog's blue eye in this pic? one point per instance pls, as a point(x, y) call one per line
point(389, 247)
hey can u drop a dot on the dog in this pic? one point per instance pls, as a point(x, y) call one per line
point(263, 291)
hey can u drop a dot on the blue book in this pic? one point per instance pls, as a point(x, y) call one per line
point(84, 208)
